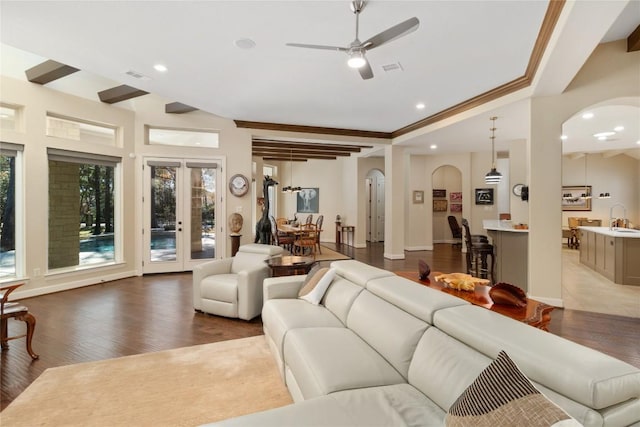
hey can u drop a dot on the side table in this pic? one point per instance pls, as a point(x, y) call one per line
point(536, 313)
point(290, 265)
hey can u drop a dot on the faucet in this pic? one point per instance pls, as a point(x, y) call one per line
point(624, 214)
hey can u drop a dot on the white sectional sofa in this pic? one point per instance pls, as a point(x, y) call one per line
point(383, 350)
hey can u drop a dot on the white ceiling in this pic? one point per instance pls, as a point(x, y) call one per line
point(461, 49)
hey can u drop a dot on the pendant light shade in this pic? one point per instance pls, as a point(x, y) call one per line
point(493, 177)
point(290, 188)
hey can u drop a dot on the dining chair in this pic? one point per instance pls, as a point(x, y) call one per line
point(309, 219)
point(17, 311)
point(280, 238)
point(318, 231)
point(306, 240)
point(456, 231)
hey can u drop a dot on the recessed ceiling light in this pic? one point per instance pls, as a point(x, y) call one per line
point(602, 138)
point(618, 128)
point(603, 135)
point(245, 43)
point(433, 146)
point(160, 68)
point(638, 142)
point(564, 137)
point(587, 116)
point(420, 105)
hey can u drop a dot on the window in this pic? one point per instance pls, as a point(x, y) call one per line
point(9, 117)
point(82, 213)
point(182, 137)
point(10, 208)
point(80, 130)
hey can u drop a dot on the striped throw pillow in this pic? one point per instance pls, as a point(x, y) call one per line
point(503, 396)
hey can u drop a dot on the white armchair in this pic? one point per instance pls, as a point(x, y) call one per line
point(232, 287)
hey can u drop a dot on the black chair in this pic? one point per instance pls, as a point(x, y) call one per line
point(478, 249)
point(279, 238)
point(456, 231)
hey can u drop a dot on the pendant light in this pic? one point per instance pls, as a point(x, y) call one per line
point(290, 188)
point(586, 194)
point(493, 177)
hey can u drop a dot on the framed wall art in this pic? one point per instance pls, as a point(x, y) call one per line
point(455, 196)
point(439, 194)
point(308, 200)
point(455, 207)
point(484, 196)
point(418, 196)
point(572, 199)
point(439, 205)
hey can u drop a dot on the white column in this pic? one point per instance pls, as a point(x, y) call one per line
point(395, 198)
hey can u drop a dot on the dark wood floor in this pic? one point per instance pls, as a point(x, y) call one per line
point(154, 312)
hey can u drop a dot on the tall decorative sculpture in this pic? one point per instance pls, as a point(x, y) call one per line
point(263, 226)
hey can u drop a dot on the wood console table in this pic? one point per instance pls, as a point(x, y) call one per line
point(290, 265)
point(536, 313)
point(347, 230)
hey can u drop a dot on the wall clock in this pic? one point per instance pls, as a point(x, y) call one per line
point(239, 185)
point(517, 190)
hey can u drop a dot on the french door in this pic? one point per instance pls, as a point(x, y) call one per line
point(181, 204)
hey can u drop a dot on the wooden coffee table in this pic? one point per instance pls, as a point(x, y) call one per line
point(536, 313)
point(290, 265)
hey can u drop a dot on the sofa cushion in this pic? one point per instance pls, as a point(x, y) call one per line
point(326, 360)
point(339, 297)
point(443, 367)
point(416, 299)
point(282, 315)
point(314, 296)
point(221, 287)
point(583, 374)
point(358, 272)
point(395, 405)
point(391, 331)
point(502, 396)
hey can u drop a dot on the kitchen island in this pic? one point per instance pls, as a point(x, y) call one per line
point(614, 253)
point(511, 249)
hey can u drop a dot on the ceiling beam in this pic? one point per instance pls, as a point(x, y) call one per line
point(307, 146)
point(120, 93)
point(287, 156)
point(48, 71)
point(312, 129)
point(633, 41)
point(178, 108)
point(274, 151)
point(278, 159)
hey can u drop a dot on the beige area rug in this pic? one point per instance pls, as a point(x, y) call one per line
point(182, 387)
point(329, 255)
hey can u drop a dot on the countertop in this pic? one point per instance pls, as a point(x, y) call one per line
point(615, 232)
point(501, 225)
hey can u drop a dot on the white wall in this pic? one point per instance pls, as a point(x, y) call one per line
point(235, 150)
point(617, 175)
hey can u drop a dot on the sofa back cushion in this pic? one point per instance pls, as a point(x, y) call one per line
point(414, 298)
point(583, 374)
point(392, 332)
point(443, 367)
point(339, 297)
point(252, 256)
point(358, 272)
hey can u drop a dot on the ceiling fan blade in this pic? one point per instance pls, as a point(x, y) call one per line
point(392, 33)
point(365, 71)
point(317, 46)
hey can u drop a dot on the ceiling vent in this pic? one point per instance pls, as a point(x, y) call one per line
point(137, 75)
point(396, 66)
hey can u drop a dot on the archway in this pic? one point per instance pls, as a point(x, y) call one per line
point(446, 182)
point(375, 206)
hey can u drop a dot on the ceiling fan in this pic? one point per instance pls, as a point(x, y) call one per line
point(357, 49)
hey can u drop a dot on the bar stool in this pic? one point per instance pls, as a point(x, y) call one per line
point(478, 249)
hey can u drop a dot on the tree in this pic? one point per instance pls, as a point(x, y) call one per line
point(97, 229)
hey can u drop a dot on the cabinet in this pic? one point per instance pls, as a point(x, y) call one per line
point(616, 258)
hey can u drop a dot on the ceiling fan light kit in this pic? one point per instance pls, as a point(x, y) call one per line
point(357, 49)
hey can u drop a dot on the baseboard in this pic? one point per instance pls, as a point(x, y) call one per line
point(556, 302)
point(28, 293)
point(418, 248)
point(393, 256)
